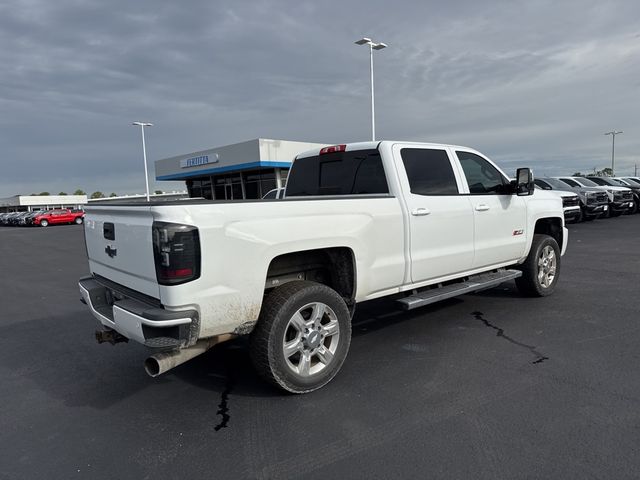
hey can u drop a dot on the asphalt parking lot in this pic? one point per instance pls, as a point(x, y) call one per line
point(486, 386)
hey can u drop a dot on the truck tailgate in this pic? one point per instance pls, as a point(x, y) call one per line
point(120, 248)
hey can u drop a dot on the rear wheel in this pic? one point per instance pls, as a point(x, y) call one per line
point(302, 336)
point(44, 223)
point(541, 269)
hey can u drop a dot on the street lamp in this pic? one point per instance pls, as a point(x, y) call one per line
point(372, 46)
point(144, 153)
point(613, 134)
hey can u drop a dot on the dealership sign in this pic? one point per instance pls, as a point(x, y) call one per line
point(198, 161)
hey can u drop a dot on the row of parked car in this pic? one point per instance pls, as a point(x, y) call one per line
point(591, 197)
point(42, 218)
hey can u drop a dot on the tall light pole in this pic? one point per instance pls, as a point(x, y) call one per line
point(144, 153)
point(372, 46)
point(613, 134)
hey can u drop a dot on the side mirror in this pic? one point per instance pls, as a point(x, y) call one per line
point(524, 182)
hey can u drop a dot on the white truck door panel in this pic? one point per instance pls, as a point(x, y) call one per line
point(440, 219)
point(500, 222)
point(500, 218)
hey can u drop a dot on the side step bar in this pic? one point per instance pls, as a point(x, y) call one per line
point(474, 283)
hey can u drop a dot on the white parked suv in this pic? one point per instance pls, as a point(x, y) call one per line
point(415, 222)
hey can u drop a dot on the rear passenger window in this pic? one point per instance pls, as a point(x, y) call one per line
point(359, 172)
point(482, 177)
point(429, 171)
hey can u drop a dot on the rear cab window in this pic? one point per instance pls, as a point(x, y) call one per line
point(357, 172)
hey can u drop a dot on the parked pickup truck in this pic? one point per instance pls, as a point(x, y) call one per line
point(55, 217)
point(415, 222)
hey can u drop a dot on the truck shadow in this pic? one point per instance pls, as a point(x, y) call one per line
point(59, 357)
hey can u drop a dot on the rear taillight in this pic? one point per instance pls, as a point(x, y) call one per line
point(333, 149)
point(176, 251)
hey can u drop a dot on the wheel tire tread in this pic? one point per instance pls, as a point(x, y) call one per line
point(527, 284)
point(259, 344)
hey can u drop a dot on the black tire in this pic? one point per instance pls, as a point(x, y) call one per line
point(276, 324)
point(588, 218)
point(579, 218)
point(530, 283)
point(44, 223)
point(78, 221)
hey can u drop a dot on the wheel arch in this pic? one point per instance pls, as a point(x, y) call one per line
point(551, 226)
point(332, 266)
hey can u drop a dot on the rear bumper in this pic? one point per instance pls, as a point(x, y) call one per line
point(150, 325)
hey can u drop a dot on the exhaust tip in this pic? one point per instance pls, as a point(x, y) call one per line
point(152, 367)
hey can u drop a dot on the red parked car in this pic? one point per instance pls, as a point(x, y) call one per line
point(53, 217)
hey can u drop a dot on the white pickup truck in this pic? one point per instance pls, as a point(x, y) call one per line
point(415, 222)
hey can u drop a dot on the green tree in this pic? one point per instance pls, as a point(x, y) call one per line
point(62, 193)
point(113, 194)
point(79, 192)
point(97, 195)
point(577, 174)
point(44, 193)
point(158, 192)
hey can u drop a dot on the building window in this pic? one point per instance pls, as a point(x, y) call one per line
point(206, 190)
point(255, 183)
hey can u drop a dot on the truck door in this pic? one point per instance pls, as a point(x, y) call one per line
point(500, 216)
point(440, 218)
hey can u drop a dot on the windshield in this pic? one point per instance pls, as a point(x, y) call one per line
point(570, 182)
point(621, 183)
point(555, 183)
point(632, 182)
point(585, 182)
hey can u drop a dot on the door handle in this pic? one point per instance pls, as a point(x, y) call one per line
point(419, 212)
point(482, 207)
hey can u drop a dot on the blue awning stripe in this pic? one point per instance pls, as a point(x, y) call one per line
point(231, 168)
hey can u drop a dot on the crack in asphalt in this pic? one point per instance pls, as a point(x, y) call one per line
point(223, 406)
point(539, 357)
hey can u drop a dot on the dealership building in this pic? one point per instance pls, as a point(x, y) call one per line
point(28, 203)
point(243, 170)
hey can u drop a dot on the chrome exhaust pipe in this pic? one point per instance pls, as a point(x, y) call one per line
point(162, 362)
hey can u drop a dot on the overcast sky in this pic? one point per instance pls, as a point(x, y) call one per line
point(533, 83)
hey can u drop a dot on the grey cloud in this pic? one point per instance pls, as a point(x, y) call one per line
point(528, 83)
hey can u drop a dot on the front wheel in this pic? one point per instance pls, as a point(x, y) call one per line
point(78, 221)
point(579, 218)
point(302, 336)
point(44, 223)
point(541, 269)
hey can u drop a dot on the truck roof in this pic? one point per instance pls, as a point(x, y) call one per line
point(375, 144)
